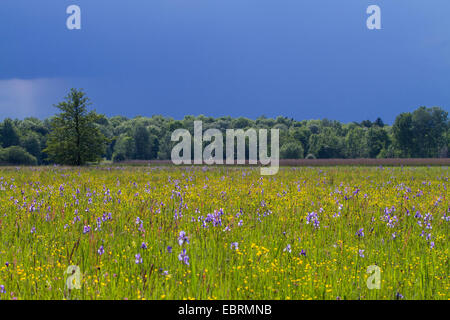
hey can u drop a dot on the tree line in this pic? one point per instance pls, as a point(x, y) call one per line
point(77, 136)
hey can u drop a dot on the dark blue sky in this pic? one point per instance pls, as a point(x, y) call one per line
point(305, 59)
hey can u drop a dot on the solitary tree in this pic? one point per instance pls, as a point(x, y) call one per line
point(75, 138)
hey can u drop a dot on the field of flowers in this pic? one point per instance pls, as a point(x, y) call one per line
point(223, 233)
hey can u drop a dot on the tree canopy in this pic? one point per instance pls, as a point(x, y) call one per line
point(77, 136)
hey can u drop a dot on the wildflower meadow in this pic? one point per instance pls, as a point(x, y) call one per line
point(170, 232)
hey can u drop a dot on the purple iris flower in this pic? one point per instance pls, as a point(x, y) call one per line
point(2, 289)
point(182, 238)
point(303, 253)
point(313, 218)
point(144, 245)
point(398, 296)
point(360, 232)
point(101, 250)
point(99, 224)
point(138, 259)
point(288, 248)
point(86, 229)
point(184, 257)
point(235, 245)
point(316, 224)
point(361, 253)
point(106, 216)
point(169, 249)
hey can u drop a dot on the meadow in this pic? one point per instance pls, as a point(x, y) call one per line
point(223, 233)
